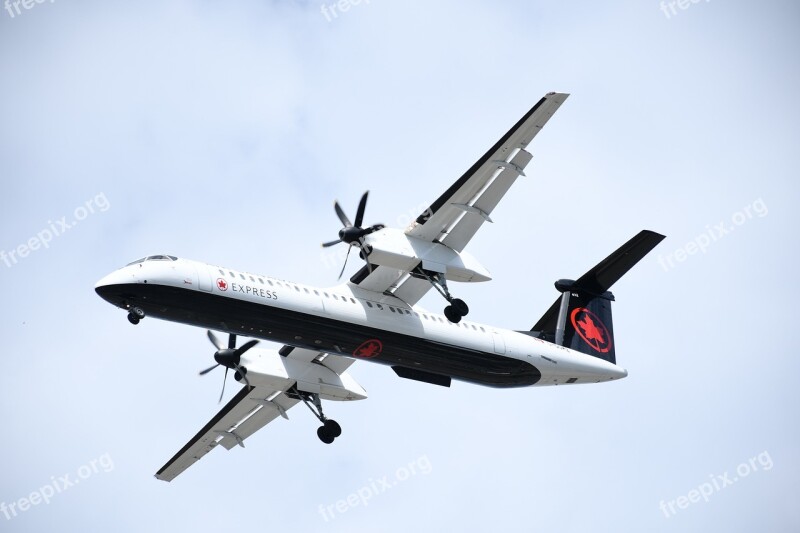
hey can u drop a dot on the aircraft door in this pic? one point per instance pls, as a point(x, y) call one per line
point(203, 277)
point(499, 343)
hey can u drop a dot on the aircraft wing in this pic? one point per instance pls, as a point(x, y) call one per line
point(337, 363)
point(250, 410)
point(457, 215)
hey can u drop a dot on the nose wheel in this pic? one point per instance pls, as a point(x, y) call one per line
point(135, 314)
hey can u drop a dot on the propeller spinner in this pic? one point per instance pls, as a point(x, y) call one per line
point(353, 234)
point(229, 357)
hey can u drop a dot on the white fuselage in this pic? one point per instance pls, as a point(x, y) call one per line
point(172, 289)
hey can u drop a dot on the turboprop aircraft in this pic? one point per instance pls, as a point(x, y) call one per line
point(375, 315)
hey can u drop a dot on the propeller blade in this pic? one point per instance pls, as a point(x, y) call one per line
point(332, 243)
point(231, 341)
point(242, 372)
point(209, 369)
point(223, 385)
point(345, 261)
point(243, 348)
point(341, 215)
point(362, 205)
point(214, 340)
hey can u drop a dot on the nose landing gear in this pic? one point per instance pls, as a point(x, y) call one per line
point(135, 314)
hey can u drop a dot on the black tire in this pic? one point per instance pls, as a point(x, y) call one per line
point(137, 311)
point(333, 428)
point(461, 306)
point(133, 319)
point(324, 436)
point(452, 314)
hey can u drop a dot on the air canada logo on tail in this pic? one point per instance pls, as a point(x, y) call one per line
point(591, 329)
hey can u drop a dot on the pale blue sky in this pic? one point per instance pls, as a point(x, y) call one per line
point(223, 132)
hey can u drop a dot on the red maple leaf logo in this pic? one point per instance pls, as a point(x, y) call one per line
point(369, 348)
point(222, 284)
point(591, 329)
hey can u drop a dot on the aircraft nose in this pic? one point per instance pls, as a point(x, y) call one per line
point(106, 286)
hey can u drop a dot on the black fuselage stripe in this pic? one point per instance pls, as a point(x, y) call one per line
point(323, 333)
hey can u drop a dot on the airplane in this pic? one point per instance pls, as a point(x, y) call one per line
point(375, 316)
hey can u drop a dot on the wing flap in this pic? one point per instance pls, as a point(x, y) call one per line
point(242, 416)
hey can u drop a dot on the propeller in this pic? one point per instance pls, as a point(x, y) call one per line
point(353, 234)
point(229, 357)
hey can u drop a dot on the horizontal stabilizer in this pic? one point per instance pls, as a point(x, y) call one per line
point(607, 272)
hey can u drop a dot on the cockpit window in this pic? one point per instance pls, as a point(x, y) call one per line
point(154, 258)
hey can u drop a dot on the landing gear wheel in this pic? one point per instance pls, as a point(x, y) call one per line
point(461, 306)
point(324, 435)
point(133, 319)
point(452, 314)
point(332, 427)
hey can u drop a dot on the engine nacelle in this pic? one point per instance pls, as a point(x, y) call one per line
point(268, 368)
point(393, 248)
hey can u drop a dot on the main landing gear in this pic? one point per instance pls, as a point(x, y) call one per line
point(330, 429)
point(135, 314)
point(458, 308)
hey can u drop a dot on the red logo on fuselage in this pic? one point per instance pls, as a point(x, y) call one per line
point(591, 329)
point(222, 284)
point(369, 348)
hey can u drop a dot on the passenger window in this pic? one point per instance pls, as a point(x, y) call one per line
point(261, 281)
point(391, 309)
point(242, 276)
point(316, 292)
point(252, 279)
point(380, 306)
point(369, 304)
point(353, 300)
point(269, 281)
point(307, 291)
point(221, 272)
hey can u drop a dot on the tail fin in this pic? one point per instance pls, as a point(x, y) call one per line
point(581, 318)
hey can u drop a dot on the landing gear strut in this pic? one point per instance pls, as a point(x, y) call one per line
point(330, 429)
point(135, 315)
point(458, 308)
